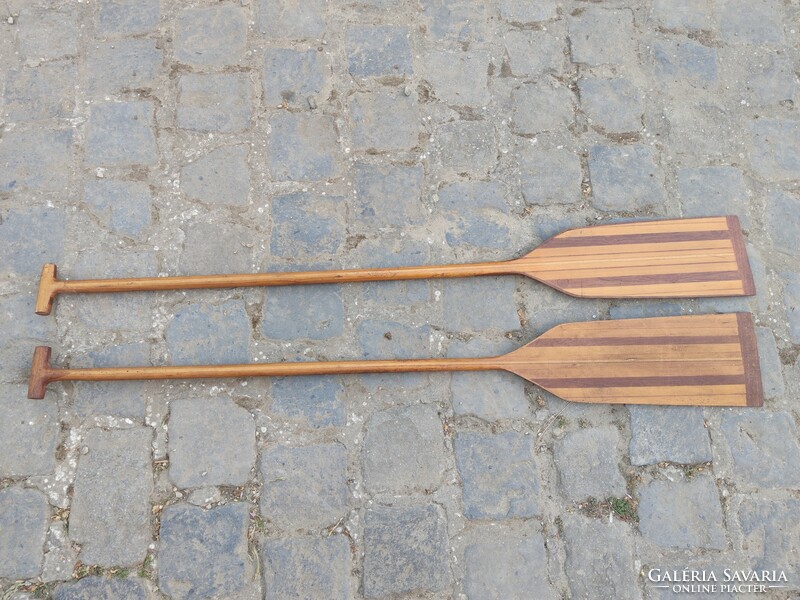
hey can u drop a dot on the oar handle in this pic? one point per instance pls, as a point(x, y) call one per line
point(42, 373)
point(50, 286)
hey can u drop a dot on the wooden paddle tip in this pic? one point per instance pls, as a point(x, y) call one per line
point(40, 373)
point(752, 368)
point(47, 289)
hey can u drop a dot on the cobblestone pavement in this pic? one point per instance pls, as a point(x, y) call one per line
point(146, 138)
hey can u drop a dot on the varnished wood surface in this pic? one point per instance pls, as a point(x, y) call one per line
point(705, 360)
point(679, 258)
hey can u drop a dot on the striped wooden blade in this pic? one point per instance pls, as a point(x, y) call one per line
point(681, 258)
point(706, 360)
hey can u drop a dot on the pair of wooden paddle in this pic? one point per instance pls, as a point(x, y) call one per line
point(689, 360)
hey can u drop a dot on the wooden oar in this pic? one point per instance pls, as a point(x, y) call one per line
point(706, 360)
point(681, 258)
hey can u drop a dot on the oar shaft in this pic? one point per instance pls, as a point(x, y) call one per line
point(50, 286)
point(42, 373)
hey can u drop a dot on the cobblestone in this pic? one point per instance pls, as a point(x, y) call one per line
point(384, 121)
point(42, 92)
point(684, 60)
point(541, 106)
point(128, 17)
point(292, 76)
point(496, 310)
point(668, 433)
point(214, 102)
point(211, 37)
point(466, 148)
point(771, 376)
point(587, 464)
point(311, 312)
point(203, 553)
point(306, 567)
point(683, 14)
point(304, 487)
point(36, 160)
point(217, 248)
point(713, 190)
point(499, 475)
point(775, 153)
point(764, 448)
point(125, 206)
point(100, 588)
point(220, 177)
point(302, 227)
point(210, 445)
point(30, 237)
point(404, 450)
point(121, 134)
point(770, 531)
point(783, 220)
point(682, 514)
point(120, 65)
point(24, 516)
point(301, 147)
point(318, 399)
point(406, 550)
point(525, 13)
point(600, 36)
point(550, 176)
point(286, 18)
point(453, 77)
point(624, 177)
point(377, 51)
point(534, 52)
point(791, 301)
point(204, 334)
point(615, 105)
point(388, 196)
point(110, 513)
point(749, 22)
point(45, 35)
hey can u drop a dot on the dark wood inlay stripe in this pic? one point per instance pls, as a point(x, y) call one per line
point(752, 367)
point(637, 341)
point(585, 282)
point(665, 381)
point(636, 238)
point(737, 238)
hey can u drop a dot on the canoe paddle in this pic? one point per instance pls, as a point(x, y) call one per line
point(703, 360)
point(680, 258)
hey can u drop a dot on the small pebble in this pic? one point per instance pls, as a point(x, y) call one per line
point(10, 20)
point(407, 91)
point(312, 103)
point(85, 450)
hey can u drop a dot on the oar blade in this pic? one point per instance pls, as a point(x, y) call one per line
point(680, 258)
point(697, 360)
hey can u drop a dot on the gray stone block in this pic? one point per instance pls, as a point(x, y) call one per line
point(587, 461)
point(214, 102)
point(683, 14)
point(302, 147)
point(388, 195)
point(305, 224)
point(110, 512)
point(600, 36)
point(771, 531)
point(404, 450)
point(638, 309)
point(472, 196)
point(220, 177)
point(30, 237)
point(684, 60)
point(123, 205)
point(218, 247)
point(211, 37)
point(306, 567)
point(771, 375)
point(477, 231)
point(614, 105)
point(709, 191)
point(405, 551)
point(24, 517)
point(775, 153)
point(204, 334)
point(127, 17)
point(764, 447)
point(550, 176)
point(48, 34)
point(42, 92)
point(474, 213)
point(682, 514)
point(203, 553)
point(212, 441)
point(541, 106)
point(121, 133)
point(599, 557)
point(750, 22)
point(319, 399)
point(466, 147)
point(304, 487)
point(114, 66)
point(18, 321)
point(459, 78)
point(39, 160)
point(291, 76)
point(496, 308)
point(770, 78)
point(101, 588)
point(522, 12)
point(382, 339)
point(292, 19)
point(124, 399)
point(626, 178)
point(508, 568)
point(311, 312)
point(783, 221)
point(534, 52)
point(668, 433)
point(377, 50)
point(450, 19)
point(499, 476)
point(384, 121)
point(791, 302)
